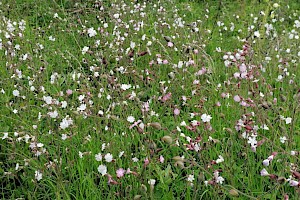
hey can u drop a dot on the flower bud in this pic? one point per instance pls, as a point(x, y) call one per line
point(167, 139)
point(234, 192)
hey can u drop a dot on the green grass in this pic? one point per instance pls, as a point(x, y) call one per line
point(54, 67)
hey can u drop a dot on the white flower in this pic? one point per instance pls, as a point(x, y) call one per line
point(116, 16)
point(47, 99)
point(257, 34)
point(130, 119)
point(53, 114)
point(152, 182)
point(132, 45)
point(16, 93)
point(64, 136)
point(82, 107)
point(92, 32)
point(125, 86)
point(266, 162)
point(38, 175)
point(265, 127)
point(190, 178)
point(64, 104)
point(293, 183)
point(264, 172)
point(84, 50)
point(51, 38)
point(102, 169)
point(66, 122)
point(108, 157)
point(135, 159)
point(121, 154)
point(220, 159)
point(98, 157)
point(288, 120)
point(80, 154)
point(5, 135)
point(252, 141)
point(220, 179)
point(206, 118)
point(283, 139)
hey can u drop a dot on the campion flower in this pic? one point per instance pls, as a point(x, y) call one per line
point(98, 157)
point(161, 159)
point(125, 86)
point(102, 169)
point(152, 182)
point(66, 122)
point(84, 50)
point(237, 98)
point(53, 114)
point(288, 120)
point(38, 175)
point(92, 32)
point(108, 157)
point(264, 172)
point(220, 159)
point(130, 119)
point(120, 172)
point(16, 93)
point(294, 183)
point(266, 162)
point(206, 118)
point(283, 139)
point(47, 99)
point(190, 178)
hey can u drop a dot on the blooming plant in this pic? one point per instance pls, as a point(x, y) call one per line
point(149, 99)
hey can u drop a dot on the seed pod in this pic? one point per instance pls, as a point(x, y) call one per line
point(265, 105)
point(167, 139)
point(282, 98)
point(229, 130)
point(155, 125)
point(137, 197)
point(178, 158)
point(281, 179)
point(143, 188)
point(296, 175)
point(167, 38)
point(142, 53)
point(249, 128)
point(234, 192)
point(222, 115)
point(201, 177)
point(171, 75)
point(180, 164)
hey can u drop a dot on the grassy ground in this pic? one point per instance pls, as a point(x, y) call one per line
point(149, 100)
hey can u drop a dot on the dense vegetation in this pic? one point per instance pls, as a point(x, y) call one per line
point(149, 100)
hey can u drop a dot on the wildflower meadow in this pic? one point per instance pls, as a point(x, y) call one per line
point(153, 99)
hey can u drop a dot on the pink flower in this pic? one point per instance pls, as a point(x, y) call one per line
point(176, 111)
point(264, 172)
point(165, 62)
point(170, 44)
point(266, 162)
point(294, 183)
point(146, 162)
point(120, 172)
point(166, 97)
point(237, 98)
point(161, 159)
point(69, 92)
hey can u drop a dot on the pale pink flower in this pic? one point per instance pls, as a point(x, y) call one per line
point(264, 172)
point(176, 111)
point(161, 159)
point(120, 172)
